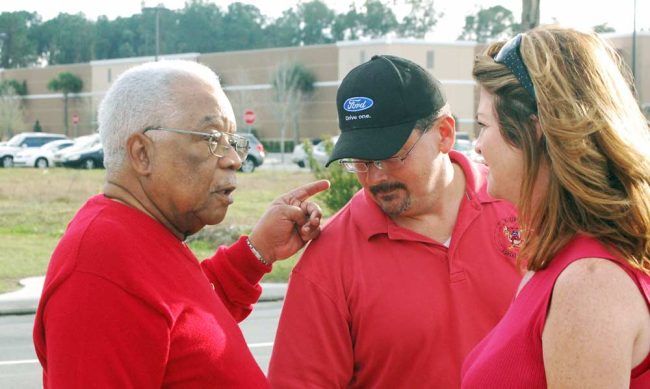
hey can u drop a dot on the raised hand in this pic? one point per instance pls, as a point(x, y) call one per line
point(289, 222)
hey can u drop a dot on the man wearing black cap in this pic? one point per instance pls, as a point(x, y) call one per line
point(417, 267)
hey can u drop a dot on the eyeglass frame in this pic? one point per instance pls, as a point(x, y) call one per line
point(379, 164)
point(209, 136)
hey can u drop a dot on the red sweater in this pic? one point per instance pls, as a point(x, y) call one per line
point(127, 305)
point(511, 355)
point(374, 305)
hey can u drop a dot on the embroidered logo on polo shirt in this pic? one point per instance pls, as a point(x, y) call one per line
point(508, 236)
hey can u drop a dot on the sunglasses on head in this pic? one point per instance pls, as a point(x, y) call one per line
point(510, 56)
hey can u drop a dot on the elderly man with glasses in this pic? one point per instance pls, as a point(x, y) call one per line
point(417, 267)
point(126, 304)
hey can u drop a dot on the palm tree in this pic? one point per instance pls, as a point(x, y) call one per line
point(65, 83)
point(292, 83)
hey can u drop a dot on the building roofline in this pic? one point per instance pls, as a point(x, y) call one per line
point(269, 49)
point(404, 41)
point(624, 34)
point(143, 59)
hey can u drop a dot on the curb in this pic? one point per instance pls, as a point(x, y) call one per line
point(25, 300)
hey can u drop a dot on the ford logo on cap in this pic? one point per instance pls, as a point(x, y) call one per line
point(356, 104)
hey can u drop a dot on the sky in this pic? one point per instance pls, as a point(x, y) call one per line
point(581, 14)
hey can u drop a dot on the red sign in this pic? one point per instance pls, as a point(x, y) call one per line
point(249, 117)
point(75, 119)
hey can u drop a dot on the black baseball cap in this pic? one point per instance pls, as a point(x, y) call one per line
point(378, 104)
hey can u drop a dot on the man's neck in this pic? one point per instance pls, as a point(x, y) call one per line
point(134, 196)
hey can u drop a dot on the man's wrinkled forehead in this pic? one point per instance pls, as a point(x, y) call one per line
point(219, 122)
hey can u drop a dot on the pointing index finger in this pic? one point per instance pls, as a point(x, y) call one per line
point(304, 192)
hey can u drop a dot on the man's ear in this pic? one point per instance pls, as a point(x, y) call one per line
point(139, 152)
point(447, 129)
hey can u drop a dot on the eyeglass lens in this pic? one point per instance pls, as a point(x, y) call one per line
point(221, 143)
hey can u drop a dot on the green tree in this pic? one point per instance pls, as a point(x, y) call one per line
point(309, 23)
point(284, 31)
point(11, 113)
point(37, 126)
point(119, 38)
point(242, 28)
point(292, 84)
point(378, 20)
point(344, 184)
point(603, 28)
point(66, 39)
point(421, 19)
point(199, 28)
point(491, 23)
point(17, 47)
point(316, 21)
point(19, 88)
point(349, 25)
point(66, 83)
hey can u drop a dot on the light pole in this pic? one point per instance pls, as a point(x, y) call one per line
point(157, 8)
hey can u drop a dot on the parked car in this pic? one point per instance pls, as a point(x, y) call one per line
point(299, 156)
point(81, 143)
point(89, 158)
point(23, 141)
point(41, 157)
point(256, 154)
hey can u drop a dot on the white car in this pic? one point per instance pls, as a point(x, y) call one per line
point(81, 143)
point(41, 157)
point(321, 156)
point(22, 141)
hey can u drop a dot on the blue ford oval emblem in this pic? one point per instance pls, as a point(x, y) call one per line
point(356, 104)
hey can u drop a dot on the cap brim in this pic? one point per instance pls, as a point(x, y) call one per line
point(371, 144)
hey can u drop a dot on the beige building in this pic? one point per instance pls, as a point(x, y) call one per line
point(246, 79)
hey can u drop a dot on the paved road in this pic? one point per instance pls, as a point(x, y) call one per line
point(20, 369)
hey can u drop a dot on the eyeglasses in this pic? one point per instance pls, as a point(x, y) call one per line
point(218, 142)
point(510, 55)
point(359, 166)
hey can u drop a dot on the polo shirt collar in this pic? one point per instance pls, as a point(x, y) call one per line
point(371, 220)
point(475, 177)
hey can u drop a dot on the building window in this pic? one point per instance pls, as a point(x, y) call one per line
point(109, 76)
point(429, 59)
point(362, 56)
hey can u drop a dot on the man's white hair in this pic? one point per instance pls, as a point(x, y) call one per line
point(144, 96)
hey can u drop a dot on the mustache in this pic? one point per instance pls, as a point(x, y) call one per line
point(386, 187)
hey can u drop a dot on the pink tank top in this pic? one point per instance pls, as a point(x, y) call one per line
point(510, 356)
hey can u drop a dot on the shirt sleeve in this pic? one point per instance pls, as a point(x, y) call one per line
point(235, 274)
point(89, 344)
point(313, 347)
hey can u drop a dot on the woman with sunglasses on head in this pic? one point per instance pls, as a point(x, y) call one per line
point(566, 142)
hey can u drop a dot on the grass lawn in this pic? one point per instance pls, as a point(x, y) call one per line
point(36, 205)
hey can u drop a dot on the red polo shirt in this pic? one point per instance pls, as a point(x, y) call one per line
point(372, 304)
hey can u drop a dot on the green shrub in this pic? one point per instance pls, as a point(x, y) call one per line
point(344, 184)
point(221, 234)
point(273, 145)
